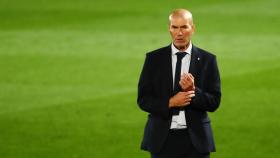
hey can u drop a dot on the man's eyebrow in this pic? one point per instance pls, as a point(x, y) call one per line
point(182, 26)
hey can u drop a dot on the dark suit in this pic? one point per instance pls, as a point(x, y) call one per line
point(155, 88)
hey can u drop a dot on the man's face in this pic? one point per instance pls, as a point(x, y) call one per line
point(181, 30)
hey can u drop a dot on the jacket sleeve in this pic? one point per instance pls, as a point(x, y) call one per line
point(148, 99)
point(208, 98)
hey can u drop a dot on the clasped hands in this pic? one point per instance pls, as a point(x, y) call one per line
point(184, 97)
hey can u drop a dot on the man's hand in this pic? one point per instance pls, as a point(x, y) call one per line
point(181, 99)
point(187, 82)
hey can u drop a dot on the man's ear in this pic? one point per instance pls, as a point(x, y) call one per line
point(194, 28)
point(168, 27)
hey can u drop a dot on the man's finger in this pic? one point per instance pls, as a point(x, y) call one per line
point(189, 92)
point(191, 75)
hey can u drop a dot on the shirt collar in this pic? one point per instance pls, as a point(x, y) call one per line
point(174, 50)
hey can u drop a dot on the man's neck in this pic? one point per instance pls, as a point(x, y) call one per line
point(183, 48)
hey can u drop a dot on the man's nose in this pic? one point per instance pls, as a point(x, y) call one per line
point(180, 32)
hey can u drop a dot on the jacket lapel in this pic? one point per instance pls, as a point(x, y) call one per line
point(195, 59)
point(168, 68)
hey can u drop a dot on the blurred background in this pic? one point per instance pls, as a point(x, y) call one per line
point(69, 73)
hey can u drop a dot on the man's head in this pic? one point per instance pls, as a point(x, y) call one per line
point(181, 28)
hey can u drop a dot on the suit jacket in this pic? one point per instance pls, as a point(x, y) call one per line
point(155, 88)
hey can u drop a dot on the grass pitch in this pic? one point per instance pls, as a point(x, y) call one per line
point(69, 73)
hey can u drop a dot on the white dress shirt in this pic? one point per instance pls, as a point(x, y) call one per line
point(179, 121)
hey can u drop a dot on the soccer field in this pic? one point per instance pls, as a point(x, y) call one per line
point(69, 73)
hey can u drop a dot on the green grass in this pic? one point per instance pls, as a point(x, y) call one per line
point(69, 73)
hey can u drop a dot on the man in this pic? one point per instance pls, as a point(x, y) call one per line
point(178, 85)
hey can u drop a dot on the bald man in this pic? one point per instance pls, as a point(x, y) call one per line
point(179, 84)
